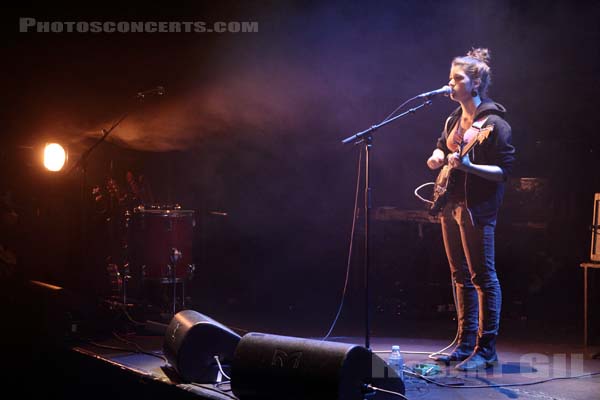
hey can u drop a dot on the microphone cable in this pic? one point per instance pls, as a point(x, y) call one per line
point(444, 90)
point(344, 291)
point(398, 109)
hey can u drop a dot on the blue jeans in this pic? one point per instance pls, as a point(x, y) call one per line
point(470, 252)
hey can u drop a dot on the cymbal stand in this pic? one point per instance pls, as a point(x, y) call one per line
point(82, 163)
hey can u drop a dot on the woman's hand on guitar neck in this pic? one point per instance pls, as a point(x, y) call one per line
point(436, 160)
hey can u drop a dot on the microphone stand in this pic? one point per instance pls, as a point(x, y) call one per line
point(366, 137)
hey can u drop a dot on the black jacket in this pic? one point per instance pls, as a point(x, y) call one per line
point(483, 196)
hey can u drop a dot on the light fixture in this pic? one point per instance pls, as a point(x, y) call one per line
point(55, 157)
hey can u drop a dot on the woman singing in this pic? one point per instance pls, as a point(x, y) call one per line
point(469, 217)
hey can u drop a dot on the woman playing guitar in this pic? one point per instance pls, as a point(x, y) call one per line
point(468, 216)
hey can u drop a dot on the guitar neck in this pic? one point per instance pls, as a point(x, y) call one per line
point(466, 148)
point(481, 135)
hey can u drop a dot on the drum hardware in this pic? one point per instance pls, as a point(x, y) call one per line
point(115, 280)
point(175, 257)
point(125, 277)
point(119, 278)
point(127, 219)
point(191, 269)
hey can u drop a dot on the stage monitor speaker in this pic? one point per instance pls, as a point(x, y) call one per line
point(595, 250)
point(280, 367)
point(191, 342)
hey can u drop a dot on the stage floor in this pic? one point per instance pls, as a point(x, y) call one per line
point(521, 362)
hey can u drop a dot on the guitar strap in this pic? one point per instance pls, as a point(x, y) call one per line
point(446, 125)
point(475, 128)
point(459, 136)
point(479, 123)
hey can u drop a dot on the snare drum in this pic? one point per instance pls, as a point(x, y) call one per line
point(156, 238)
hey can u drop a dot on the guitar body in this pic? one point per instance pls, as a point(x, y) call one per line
point(443, 186)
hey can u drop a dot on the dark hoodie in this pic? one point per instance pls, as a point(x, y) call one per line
point(484, 197)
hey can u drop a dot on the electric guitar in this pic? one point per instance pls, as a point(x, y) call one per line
point(444, 181)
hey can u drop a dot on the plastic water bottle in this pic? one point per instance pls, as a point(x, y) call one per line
point(396, 361)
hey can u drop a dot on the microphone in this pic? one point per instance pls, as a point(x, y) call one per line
point(446, 90)
point(159, 90)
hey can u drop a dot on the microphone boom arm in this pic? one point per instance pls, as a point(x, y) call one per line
point(357, 138)
point(105, 132)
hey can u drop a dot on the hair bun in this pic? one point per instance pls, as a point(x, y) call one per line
point(480, 54)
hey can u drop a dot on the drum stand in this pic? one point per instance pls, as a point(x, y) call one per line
point(175, 257)
point(125, 279)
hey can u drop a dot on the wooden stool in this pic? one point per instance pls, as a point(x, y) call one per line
point(585, 267)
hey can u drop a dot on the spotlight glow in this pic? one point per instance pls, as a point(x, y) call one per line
point(55, 157)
